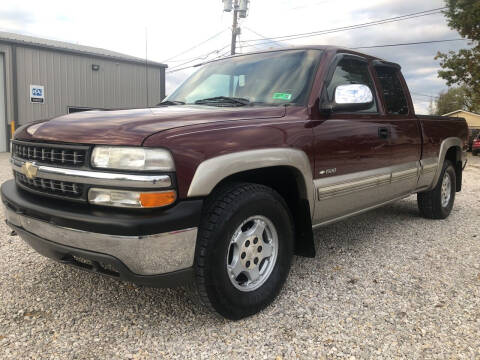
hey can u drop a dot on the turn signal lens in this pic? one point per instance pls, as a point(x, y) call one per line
point(164, 198)
point(131, 199)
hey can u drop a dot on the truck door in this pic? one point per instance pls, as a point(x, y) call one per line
point(352, 152)
point(405, 136)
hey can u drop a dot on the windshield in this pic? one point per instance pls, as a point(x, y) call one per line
point(278, 77)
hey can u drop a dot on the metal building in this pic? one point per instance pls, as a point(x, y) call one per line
point(41, 78)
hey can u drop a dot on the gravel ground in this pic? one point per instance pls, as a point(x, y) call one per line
point(386, 284)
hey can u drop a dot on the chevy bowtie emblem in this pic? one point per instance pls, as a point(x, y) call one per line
point(29, 170)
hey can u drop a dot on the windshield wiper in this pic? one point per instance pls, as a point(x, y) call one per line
point(223, 100)
point(171, 102)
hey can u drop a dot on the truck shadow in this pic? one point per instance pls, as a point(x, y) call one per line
point(153, 306)
point(362, 231)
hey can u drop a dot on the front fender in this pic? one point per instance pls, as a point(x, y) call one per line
point(210, 172)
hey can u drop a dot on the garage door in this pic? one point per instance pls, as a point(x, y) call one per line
point(3, 123)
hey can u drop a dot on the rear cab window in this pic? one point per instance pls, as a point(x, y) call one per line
point(392, 90)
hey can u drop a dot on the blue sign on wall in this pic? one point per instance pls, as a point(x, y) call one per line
point(37, 94)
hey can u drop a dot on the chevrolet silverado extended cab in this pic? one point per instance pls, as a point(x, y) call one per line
point(221, 183)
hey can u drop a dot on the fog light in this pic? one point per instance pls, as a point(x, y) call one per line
point(131, 199)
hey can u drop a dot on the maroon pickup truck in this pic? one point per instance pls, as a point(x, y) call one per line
point(221, 183)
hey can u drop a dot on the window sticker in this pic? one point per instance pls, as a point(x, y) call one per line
point(282, 96)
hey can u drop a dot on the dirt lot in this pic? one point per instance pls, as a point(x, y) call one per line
point(385, 284)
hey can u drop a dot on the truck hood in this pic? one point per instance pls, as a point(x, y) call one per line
point(131, 127)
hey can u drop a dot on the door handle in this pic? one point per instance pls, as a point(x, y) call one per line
point(383, 133)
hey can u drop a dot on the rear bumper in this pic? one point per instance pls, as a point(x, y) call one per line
point(153, 248)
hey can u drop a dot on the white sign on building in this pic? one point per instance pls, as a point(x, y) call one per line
point(37, 94)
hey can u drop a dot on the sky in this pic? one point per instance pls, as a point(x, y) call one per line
point(164, 30)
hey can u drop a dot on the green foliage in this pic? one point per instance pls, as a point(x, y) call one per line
point(463, 67)
point(451, 100)
point(464, 16)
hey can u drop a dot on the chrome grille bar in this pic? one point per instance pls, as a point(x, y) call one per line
point(97, 177)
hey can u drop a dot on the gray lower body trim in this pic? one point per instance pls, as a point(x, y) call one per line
point(428, 168)
point(344, 195)
point(331, 221)
point(143, 255)
point(351, 187)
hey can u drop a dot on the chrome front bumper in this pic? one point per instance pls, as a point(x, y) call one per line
point(142, 255)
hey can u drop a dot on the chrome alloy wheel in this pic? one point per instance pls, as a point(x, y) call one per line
point(252, 253)
point(446, 189)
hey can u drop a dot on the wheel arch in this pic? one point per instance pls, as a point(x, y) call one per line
point(451, 149)
point(287, 171)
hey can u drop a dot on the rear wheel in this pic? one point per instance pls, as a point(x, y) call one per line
point(438, 202)
point(244, 249)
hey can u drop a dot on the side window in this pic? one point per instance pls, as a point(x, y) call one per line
point(352, 71)
point(395, 99)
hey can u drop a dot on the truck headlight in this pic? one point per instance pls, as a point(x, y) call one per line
point(132, 158)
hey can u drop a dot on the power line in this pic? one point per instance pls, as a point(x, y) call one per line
point(176, 69)
point(351, 27)
point(406, 44)
point(367, 24)
point(296, 36)
point(327, 31)
point(421, 100)
point(201, 57)
point(196, 46)
point(420, 94)
point(262, 36)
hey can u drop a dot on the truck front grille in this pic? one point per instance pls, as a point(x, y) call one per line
point(50, 153)
point(55, 187)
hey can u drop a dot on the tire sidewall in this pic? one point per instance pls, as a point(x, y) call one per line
point(220, 289)
point(447, 168)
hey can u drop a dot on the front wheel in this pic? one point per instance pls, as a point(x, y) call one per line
point(244, 249)
point(438, 202)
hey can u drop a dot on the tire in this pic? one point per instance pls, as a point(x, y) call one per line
point(432, 204)
point(475, 152)
point(234, 211)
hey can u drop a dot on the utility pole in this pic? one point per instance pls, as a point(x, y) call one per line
point(240, 9)
point(235, 31)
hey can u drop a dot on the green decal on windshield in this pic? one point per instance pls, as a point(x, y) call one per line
point(282, 96)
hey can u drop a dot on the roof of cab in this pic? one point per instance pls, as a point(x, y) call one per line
point(327, 48)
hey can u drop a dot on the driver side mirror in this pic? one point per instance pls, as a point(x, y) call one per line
point(350, 97)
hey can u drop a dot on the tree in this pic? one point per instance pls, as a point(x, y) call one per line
point(451, 100)
point(462, 68)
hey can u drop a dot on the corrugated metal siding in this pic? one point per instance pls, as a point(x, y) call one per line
point(70, 81)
